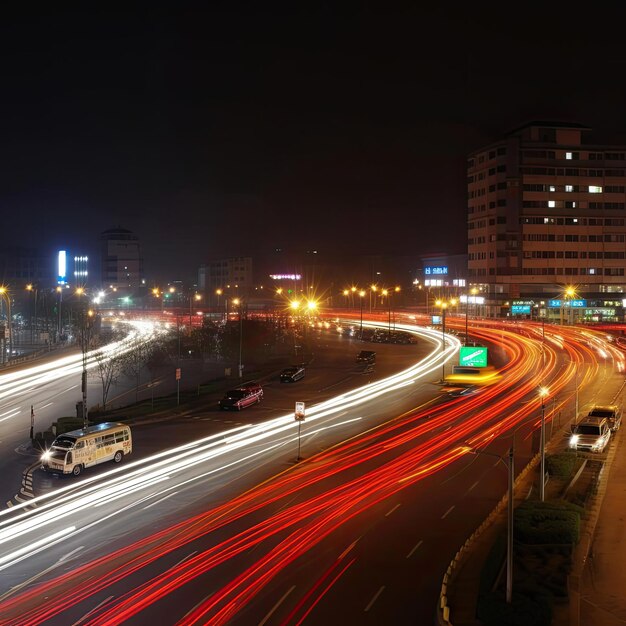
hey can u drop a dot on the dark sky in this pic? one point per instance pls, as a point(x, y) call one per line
point(235, 130)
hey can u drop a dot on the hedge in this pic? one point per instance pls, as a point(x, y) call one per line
point(547, 522)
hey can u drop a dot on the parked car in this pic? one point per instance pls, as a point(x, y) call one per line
point(611, 412)
point(591, 435)
point(253, 387)
point(366, 356)
point(292, 374)
point(237, 399)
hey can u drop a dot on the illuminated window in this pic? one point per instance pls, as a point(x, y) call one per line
point(551, 203)
point(568, 155)
point(595, 189)
point(552, 188)
point(569, 187)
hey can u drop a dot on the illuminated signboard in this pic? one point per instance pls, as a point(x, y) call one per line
point(473, 356)
point(520, 309)
point(575, 304)
point(62, 267)
point(436, 270)
point(436, 319)
point(285, 276)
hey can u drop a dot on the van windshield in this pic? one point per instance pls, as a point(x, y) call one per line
point(64, 442)
point(602, 413)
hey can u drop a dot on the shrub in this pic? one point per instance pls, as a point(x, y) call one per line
point(530, 606)
point(561, 465)
point(547, 522)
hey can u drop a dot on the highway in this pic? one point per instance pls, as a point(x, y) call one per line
point(359, 532)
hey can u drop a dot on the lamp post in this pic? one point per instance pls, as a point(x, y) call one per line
point(361, 296)
point(473, 292)
point(543, 392)
point(218, 293)
point(373, 289)
point(60, 327)
point(4, 292)
point(395, 290)
point(385, 293)
point(30, 287)
point(509, 534)
point(193, 297)
point(237, 302)
point(443, 305)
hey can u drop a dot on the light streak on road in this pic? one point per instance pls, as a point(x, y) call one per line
point(393, 457)
point(23, 380)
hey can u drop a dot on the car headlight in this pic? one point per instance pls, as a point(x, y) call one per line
point(573, 440)
point(597, 444)
point(45, 456)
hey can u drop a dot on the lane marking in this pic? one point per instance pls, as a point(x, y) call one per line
point(169, 495)
point(371, 602)
point(474, 485)
point(95, 608)
point(392, 510)
point(264, 620)
point(185, 558)
point(447, 512)
point(417, 545)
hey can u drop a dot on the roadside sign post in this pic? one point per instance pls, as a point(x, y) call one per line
point(32, 422)
point(299, 416)
point(177, 386)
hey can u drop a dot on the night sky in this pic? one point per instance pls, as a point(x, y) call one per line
point(236, 130)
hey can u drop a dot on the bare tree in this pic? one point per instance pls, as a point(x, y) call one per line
point(108, 367)
point(134, 361)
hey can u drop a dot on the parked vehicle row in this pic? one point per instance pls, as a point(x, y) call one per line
point(593, 433)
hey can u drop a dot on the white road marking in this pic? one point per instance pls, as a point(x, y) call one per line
point(447, 512)
point(371, 602)
point(45, 406)
point(474, 485)
point(169, 495)
point(264, 620)
point(185, 559)
point(95, 608)
point(392, 510)
point(417, 545)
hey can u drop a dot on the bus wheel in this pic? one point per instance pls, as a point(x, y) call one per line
point(77, 470)
point(118, 456)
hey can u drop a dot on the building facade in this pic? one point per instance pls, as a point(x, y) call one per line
point(231, 277)
point(122, 262)
point(547, 224)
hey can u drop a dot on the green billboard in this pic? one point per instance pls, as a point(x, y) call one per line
point(474, 356)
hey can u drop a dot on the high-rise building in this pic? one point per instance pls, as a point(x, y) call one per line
point(122, 263)
point(81, 271)
point(231, 276)
point(547, 223)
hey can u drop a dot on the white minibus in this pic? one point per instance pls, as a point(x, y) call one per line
point(71, 452)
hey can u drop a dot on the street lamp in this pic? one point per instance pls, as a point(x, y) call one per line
point(60, 292)
point(193, 297)
point(237, 302)
point(30, 287)
point(218, 293)
point(443, 305)
point(4, 292)
point(543, 392)
point(473, 292)
point(509, 534)
point(361, 296)
point(373, 289)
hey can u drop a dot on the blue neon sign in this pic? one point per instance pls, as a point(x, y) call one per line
point(436, 270)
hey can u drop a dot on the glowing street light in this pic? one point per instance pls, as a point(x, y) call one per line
point(361, 296)
point(443, 305)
